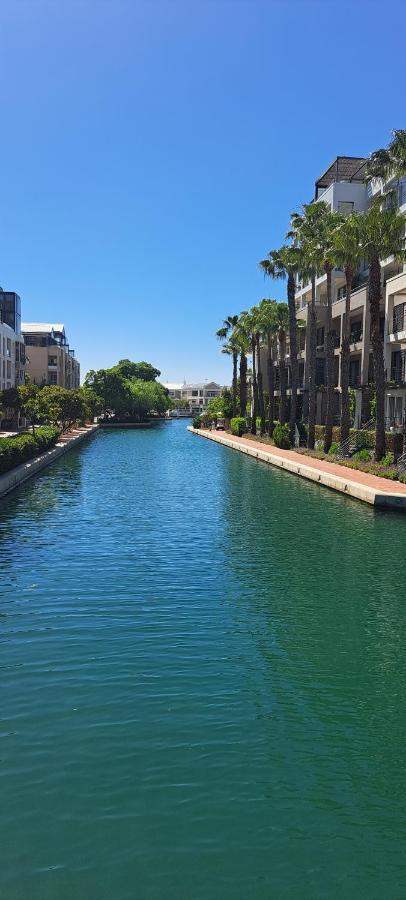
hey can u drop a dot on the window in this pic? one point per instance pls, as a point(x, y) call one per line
point(195, 393)
point(52, 360)
point(320, 337)
point(52, 378)
point(355, 368)
point(345, 207)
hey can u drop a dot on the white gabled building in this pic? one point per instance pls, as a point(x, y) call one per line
point(196, 395)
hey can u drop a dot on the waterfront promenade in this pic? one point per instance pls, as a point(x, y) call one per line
point(369, 488)
point(66, 441)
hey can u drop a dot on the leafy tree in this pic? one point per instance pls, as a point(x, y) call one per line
point(228, 402)
point(146, 398)
point(112, 388)
point(28, 396)
point(140, 370)
point(216, 408)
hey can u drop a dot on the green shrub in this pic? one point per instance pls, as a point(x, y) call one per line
point(362, 455)
point(388, 459)
point(333, 449)
point(19, 449)
point(238, 426)
point(196, 422)
point(281, 436)
point(402, 477)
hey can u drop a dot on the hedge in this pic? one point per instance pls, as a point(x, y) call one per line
point(19, 449)
point(238, 426)
point(393, 440)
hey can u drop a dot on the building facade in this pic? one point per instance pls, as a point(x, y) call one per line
point(12, 347)
point(196, 396)
point(343, 188)
point(49, 358)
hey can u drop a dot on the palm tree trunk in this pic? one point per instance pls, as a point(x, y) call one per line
point(254, 390)
point(282, 376)
point(294, 369)
point(345, 360)
point(312, 368)
point(328, 432)
point(235, 363)
point(243, 384)
point(261, 404)
point(374, 294)
point(271, 386)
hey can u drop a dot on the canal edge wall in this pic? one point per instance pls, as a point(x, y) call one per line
point(12, 479)
point(344, 485)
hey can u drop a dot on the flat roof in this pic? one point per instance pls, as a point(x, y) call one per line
point(42, 327)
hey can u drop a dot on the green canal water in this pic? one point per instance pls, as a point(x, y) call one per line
point(202, 681)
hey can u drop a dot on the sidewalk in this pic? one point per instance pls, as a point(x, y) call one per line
point(368, 488)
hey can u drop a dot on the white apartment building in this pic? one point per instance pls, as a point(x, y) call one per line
point(12, 349)
point(343, 188)
point(196, 395)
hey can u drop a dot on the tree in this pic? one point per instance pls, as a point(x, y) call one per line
point(140, 370)
point(249, 324)
point(147, 398)
point(347, 254)
point(231, 348)
point(268, 325)
point(93, 404)
point(61, 406)
point(229, 324)
point(112, 388)
point(28, 395)
point(305, 233)
point(286, 263)
point(215, 408)
point(389, 162)
point(326, 223)
point(382, 235)
point(241, 340)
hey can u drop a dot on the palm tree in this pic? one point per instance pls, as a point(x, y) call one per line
point(229, 323)
point(282, 325)
point(382, 235)
point(249, 322)
point(267, 324)
point(305, 233)
point(389, 162)
point(285, 263)
point(328, 222)
point(241, 341)
point(347, 253)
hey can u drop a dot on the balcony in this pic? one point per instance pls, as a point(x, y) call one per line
point(356, 336)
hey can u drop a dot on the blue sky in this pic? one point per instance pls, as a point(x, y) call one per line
point(151, 153)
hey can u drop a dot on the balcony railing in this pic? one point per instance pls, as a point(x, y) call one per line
point(399, 318)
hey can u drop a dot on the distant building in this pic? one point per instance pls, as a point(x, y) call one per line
point(196, 395)
point(12, 348)
point(49, 359)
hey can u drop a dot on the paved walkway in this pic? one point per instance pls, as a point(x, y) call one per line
point(369, 488)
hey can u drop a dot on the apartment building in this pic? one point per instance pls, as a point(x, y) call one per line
point(196, 395)
point(343, 188)
point(12, 348)
point(49, 358)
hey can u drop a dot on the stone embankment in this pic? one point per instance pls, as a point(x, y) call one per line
point(370, 489)
point(67, 441)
